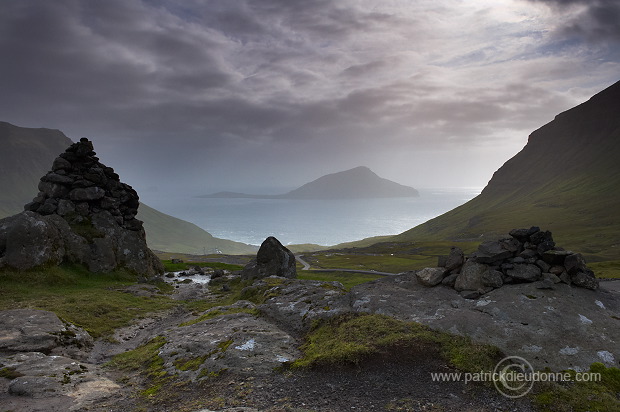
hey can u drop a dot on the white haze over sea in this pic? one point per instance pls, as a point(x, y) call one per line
point(323, 222)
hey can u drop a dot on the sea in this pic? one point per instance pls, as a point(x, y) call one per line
point(322, 222)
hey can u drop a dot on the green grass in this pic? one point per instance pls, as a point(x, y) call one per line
point(582, 396)
point(353, 338)
point(391, 257)
point(145, 359)
point(348, 279)
point(608, 270)
point(93, 301)
point(175, 267)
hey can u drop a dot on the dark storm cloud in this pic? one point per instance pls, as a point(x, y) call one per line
point(596, 20)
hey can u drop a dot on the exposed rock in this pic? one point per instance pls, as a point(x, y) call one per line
point(30, 330)
point(525, 272)
point(520, 319)
point(430, 276)
point(52, 377)
point(272, 259)
point(492, 278)
point(84, 215)
point(295, 304)
point(455, 259)
point(523, 257)
point(585, 279)
point(471, 276)
point(237, 342)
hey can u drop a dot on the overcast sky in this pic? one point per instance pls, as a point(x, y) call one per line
point(205, 95)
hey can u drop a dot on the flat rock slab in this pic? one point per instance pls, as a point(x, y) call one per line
point(560, 328)
point(51, 383)
point(295, 304)
point(30, 330)
point(239, 342)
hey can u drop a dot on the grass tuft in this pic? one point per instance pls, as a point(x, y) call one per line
point(352, 338)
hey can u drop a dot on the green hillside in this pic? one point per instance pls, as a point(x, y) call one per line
point(27, 154)
point(167, 233)
point(23, 153)
point(566, 180)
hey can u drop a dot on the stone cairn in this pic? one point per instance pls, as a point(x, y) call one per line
point(79, 185)
point(83, 214)
point(528, 255)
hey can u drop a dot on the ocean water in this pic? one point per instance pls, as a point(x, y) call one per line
point(323, 222)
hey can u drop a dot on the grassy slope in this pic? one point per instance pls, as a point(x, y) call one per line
point(167, 233)
point(564, 180)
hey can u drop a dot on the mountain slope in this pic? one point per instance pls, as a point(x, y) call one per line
point(565, 180)
point(23, 154)
point(27, 154)
point(356, 183)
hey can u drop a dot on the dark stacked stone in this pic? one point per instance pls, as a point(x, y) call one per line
point(79, 185)
point(528, 255)
point(83, 214)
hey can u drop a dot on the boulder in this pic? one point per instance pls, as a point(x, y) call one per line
point(492, 278)
point(585, 279)
point(495, 251)
point(28, 240)
point(272, 259)
point(575, 263)
point(525, 272)
point(455, 259)
point(471, 276)
point(430, 276)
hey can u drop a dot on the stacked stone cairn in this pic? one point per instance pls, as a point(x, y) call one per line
point(79, 185)
point(83, 214)
point(528, 255)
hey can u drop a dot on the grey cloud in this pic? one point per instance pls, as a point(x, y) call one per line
point(598, 22)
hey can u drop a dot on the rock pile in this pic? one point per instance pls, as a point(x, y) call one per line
point(79, 185)
point(528, 255)
point(82, 214)
point(272, 259)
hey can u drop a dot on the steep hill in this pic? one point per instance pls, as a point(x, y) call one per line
point(565, 179)
point(356, 183)
point(27, 154)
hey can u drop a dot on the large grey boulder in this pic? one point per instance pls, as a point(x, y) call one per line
point(430, 276)
point(272, 259)
point(471, 276)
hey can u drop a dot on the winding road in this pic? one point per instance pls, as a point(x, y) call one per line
point(307, 267)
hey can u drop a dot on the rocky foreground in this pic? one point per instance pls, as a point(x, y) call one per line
point(237, 354)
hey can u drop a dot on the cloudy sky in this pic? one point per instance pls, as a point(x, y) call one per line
point(203, 95)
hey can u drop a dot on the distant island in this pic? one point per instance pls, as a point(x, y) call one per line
point(356, 183)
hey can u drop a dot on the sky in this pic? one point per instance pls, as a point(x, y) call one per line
point(197, 96)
